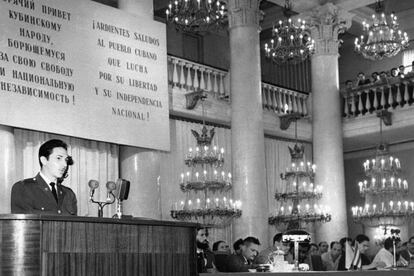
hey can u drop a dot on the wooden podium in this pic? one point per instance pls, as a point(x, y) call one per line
point(57, 245)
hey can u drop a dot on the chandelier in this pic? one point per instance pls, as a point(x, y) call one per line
point(291, 42)
point(382, 37)
point(196, 15)
point(298, 203)
point(206, 184)
point(384, 191)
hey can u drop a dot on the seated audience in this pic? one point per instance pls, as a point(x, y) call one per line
point(385, 254)
point(263, 257)
point(244, 261)
point(313, 261)
point(331, 259)
point(407, 254)
point(323, 247)
point(358, 259)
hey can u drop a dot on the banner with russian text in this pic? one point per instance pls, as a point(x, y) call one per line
point(83, 69)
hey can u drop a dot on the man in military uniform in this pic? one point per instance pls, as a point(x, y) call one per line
point(44, 193)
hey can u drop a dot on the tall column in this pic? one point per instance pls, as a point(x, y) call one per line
point(140, 166)
point(327, 22)
point(247, 136)
point(7, 159)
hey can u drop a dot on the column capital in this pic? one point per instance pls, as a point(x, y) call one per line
point(327, 22)
point(244, 13)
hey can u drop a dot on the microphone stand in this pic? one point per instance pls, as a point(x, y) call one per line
point(102, 204)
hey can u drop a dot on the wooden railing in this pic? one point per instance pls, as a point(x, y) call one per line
point(193, 76)
point(389, 94)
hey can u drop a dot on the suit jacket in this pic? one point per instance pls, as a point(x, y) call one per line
point(237, 263)
point(33, 196)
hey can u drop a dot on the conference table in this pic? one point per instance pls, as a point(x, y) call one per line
point(60, 245)
point(398, 272)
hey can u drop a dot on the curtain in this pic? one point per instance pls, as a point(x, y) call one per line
point(92, 160)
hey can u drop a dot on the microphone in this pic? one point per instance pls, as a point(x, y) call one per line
point(93, 184)
point(110, 186)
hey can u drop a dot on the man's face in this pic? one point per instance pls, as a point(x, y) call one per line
point(410, 245)
point(56, 164)
point(323, 247)
point(223, 247)
point(361, 76)
point(363, 246)
point(303, 253)
point(250, 251)
point(336, 250)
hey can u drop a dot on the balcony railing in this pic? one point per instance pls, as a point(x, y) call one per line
point(193, 76)
point(391, 93)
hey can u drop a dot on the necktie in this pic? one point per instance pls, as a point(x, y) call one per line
point(54, 191)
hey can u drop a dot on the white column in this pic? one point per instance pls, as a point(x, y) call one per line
point(247, 136)
point(138, 165)
point(327, 22)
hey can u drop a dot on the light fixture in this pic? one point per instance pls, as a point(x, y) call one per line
point(382, 37)
point(384, 190)
point(206, 184)
point(298, 203)
point(196, 15)
point(291, 42)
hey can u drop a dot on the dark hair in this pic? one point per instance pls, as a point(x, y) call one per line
point(203, 228)
point(335, 242)
point(278, 237)
point(360, 73)
point(374, 73)
point(344, 240)
point(411, 238)
point(401, 66)
point(361, 238)
point(388, 244)
point(237, 244)
point(46, 148)
point(216, 245)
point(250, 240)
point(348, 81)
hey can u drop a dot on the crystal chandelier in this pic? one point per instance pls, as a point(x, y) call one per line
point(196, 15)
point(382, 37)
point(206, 184)
point(384, 191)
point(298, 204)
point(290, 42)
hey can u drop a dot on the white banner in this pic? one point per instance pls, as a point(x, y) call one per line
point(83, 69)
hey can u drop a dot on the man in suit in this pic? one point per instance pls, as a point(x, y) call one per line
point(243, 261)
point(44, 194)
point(407, 255)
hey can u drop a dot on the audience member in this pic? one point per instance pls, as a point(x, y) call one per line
point(375, 77)
point(221, 246)
point(331, 259)
point(394, 72)
point(263, 257)
point(205, 258)
point(401, 70)
point(243, 261)
point(385, 254)
point(323, 247)
point(361, 79)
point(408, 253)
point(237, 246)
point(344, 241)
point(313, 249)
